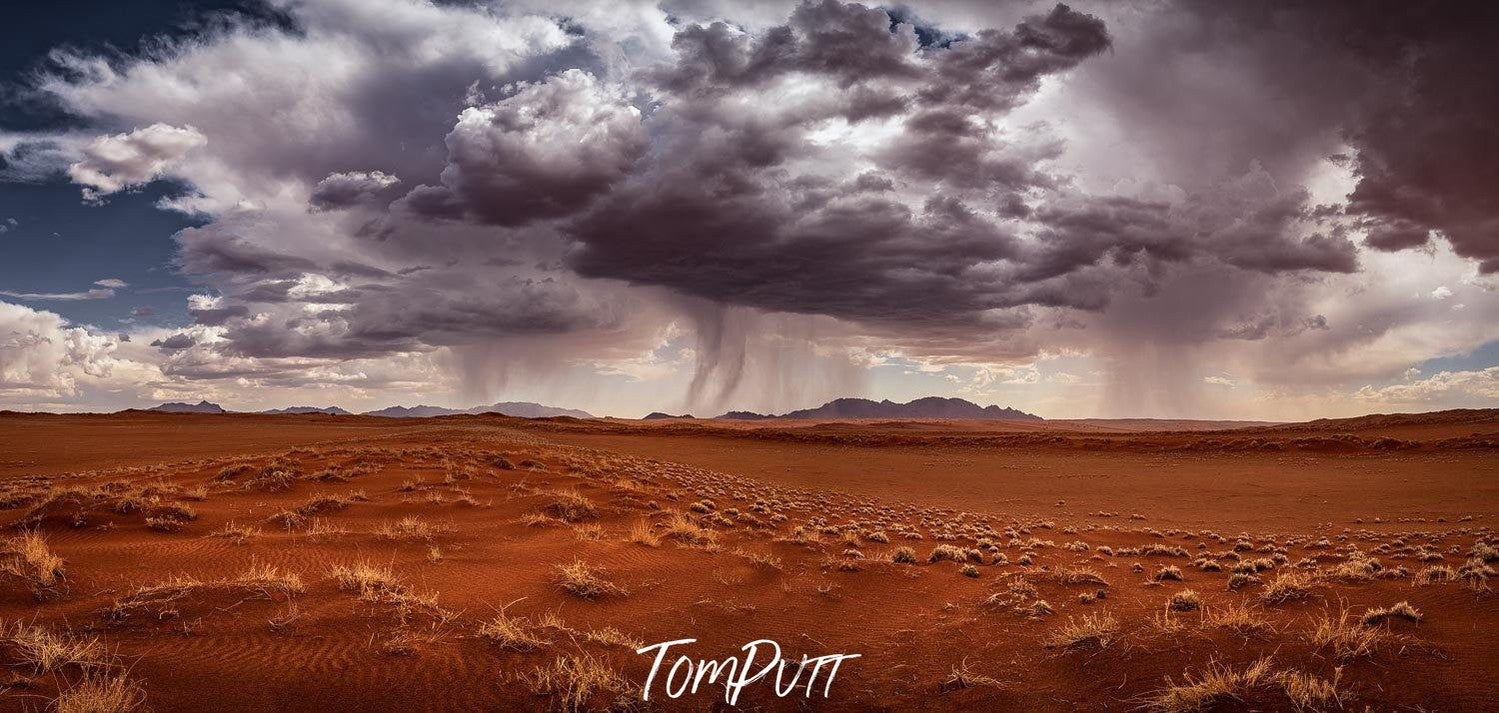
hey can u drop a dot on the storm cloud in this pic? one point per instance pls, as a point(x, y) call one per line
point(630, 189)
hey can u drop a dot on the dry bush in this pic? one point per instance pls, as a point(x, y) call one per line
point(903, 555)
point(1239, 580)
point(642, 533)
point(380, 585)
point(320, 530)
point(1287, 586)
point(164, 524)
point(45, 651)
point(288, 519)
point(582, 580)
point(1169, 573)
point(575, 681)
point(947, 552)
point(610, 636)
point(101, 693)
point(681, 528)
point(1214, 686)
point(322, 503)
point(1185, 600)
point(1399, 610)
point(409, 528)
point(1071, 575)
point(1222, 684)
point(28, 557)
point(511, 632)
point(262, 580)
point(963, 677)
point(759, 559)
point(239, 534)
point(1165, 623)
point(1092, 631)
point(1345, 639)
point(1239, 619)
point(571, 506)
point(1308, 692)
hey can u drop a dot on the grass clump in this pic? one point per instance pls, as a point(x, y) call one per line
point(576, 681)
point(1286, 587)
point(571, 506)
point(27, 556)
point(101, 693)
point(1090, 632)
point(583, 580)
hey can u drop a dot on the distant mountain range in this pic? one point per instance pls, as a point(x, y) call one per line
point(929, 407)
point(330, 410)
point(179, 407)
point(520, 409)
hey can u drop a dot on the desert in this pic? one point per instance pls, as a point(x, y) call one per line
point(315, 562)
point(1119, 356)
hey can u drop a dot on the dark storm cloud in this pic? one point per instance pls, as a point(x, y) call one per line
point(544, 152)
point(176, 341)
point(342, 190)
point(1428, 151)
point(716, 211)
point(737, 207)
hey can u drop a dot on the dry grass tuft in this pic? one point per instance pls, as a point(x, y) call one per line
point(641, 533)
point(1399, 610)
point(380, 585)
point(1213, 687)
point(263, 580)
point(101, 693)
point(45, 651)
point(239, 534)
point(1071, 575)
point(1222, 684)
point(571, 506)
point(1239, 619)
point(681, 528)
point(1185, 600)
point(582, 580)
point(28, 557)
point(408, 529)
point(1287, 586)
point(1345, 638)
point(1091, 632)
point(1309, 692)
point(511, 632)
point(963, 677)
point(575, 681)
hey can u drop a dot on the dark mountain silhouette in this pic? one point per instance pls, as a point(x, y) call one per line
point(330, 410)
point(179, 407)
point(520, 409)
point(929, 407)
point(655, 415)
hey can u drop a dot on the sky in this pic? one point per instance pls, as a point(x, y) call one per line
point(1161, 208)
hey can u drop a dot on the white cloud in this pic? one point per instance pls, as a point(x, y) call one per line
point(1480, 386)
point(101, 293)
point(116, 162)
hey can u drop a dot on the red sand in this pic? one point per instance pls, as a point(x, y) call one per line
point(1423, 500)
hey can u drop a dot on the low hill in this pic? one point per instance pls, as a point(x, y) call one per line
point(519, 409)
point(925, 408)
point(180, 407)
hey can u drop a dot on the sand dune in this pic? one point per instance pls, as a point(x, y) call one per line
point(307, 562)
